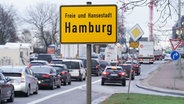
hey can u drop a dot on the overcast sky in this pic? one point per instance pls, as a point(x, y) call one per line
point(138, 16)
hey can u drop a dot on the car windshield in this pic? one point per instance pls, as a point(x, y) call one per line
point(72, 64)
point(40, 69)
point(37, 63)
point(56, 61)
point(59, 68)
point(126, 66)
point(113, 69)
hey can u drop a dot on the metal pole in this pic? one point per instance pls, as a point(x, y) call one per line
point(88, 88)
point(179, 26)
point(130, 74)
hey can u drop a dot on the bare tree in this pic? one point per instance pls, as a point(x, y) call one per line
point(26, 36)
point(45, 18)
point(167, 9)
point(7, 25)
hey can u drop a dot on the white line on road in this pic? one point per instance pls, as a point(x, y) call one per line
point(59, 93)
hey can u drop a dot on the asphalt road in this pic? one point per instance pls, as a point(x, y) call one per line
point(76, 92)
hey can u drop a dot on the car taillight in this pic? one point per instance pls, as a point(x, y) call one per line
point(97, 67)
point(22, 78)
point(29, 66)
point(63, 72)
point(46, 76)
point(105, 73)
point(122, 73)
point(135, 66)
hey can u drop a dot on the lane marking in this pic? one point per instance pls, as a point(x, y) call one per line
point(59, 93)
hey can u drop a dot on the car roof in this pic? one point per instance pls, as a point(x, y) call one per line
point(57, 64)
point(39, 61)
point(74, 60)
point(10, 66)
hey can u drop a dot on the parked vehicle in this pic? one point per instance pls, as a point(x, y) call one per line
point(76, 68)
point(127, 69)
point(136, 66)
point(47, 57)
point(6, 88)
point(47, 76)
point(113, 74)
point(38, 63)
point(33, 56)
point(64, 72)
point(22, 78)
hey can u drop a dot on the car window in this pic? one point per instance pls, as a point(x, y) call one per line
point(94, 63)
point(56, 62)
point(59, 68)
point(41, 69)
point(37, 63)
point(72, 65)
point(112, 69)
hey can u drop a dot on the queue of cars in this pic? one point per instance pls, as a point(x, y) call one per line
point(51, 72)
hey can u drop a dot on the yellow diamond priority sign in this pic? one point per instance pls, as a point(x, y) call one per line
point(136, 32)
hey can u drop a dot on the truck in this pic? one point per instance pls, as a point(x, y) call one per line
point(113, 52)
point(15, 54)
point(146, 52)
point(73, 51)
point(158, 52)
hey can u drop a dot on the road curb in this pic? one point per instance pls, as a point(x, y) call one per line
point(160, 90)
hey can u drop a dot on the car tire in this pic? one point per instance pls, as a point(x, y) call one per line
point(81, 78)
point(52, 86)
point(37, 88)
point(124, 82)
point(69, 83)
point(102, 82)
point(59, 85)
point(11, 97)
point(28, 91)
point(64, 83)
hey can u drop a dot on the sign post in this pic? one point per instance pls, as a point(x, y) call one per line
point(86, 24)
point(136, 33)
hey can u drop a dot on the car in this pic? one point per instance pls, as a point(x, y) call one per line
point(167, 58)
point(127, 69)
point(22, 78)
point(95, 66)
point(47, 76)
point(76, 68)
point(38, 63)
point(47, 57)
point(6, 88)
point(114, 63)
point(103, 64)
point(56, 61)
point(136, 66)
point(113, 74)
point(64, 72)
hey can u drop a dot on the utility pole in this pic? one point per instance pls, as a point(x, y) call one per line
point(180, 33)
point(150, 23)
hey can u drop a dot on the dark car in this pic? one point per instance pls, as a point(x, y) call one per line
point(38, 63)
point(113, 74)
point(47, 57)
point(64, 72)
point(95, 67)
point(136, 66)
point(103, 64)
point(6, 88)
point(127, 69)
point(47, 76)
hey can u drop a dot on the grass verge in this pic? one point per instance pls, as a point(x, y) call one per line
point(134, 98)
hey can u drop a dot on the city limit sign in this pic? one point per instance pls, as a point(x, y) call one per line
point(88, 24)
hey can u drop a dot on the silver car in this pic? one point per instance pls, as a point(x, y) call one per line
point(22, 78)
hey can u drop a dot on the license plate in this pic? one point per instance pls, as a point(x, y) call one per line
point(114, 74)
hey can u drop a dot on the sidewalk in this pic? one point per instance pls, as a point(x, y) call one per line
point(166, 79)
